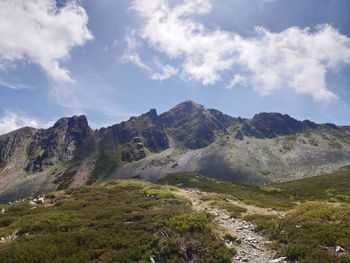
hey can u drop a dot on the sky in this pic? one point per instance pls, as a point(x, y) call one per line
point(113, 59)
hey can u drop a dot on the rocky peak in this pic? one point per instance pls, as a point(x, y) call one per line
point(190, 105)
point(194, 125)
point(120, 138)
point(75, 122)
point(152, 114)
point(270, 125)
point(59, 143)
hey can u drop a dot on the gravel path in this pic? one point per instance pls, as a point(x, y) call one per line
point(250, 246)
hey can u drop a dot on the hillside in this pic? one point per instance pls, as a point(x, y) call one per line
point(208, 221)
point(333, 187)
point(270, 147)
point(306, 220)
point(123, 221)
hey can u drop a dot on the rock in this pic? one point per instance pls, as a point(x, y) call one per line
point(41, 199)
point(225, 217)
point(339, 249)
point(245, 260)
point(3, 211)
point(279, 260)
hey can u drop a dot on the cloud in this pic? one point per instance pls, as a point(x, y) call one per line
point(237, 80)
point(11, 121)
point(164, 71)
point(296, 58)
point(39, 32)
point(14, 86)
point(156, 69)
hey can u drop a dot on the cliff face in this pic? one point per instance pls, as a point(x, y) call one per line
point(267, 148)
point(130, 139)
point(66, 140)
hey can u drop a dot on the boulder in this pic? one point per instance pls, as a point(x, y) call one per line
point(339, 249)
point(279, 260)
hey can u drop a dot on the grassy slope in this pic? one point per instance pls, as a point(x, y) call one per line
point(334, 187)
point(310, 231)
point(330, 187)
point(124, 221)
point(130, 221)
point(248, 194)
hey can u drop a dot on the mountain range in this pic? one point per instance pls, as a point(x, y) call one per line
point(268, 148)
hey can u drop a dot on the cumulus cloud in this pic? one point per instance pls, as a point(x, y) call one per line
point(295, 58)
point(11, 121)
point(39, 32)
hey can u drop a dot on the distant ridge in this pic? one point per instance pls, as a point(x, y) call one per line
point(270, 147)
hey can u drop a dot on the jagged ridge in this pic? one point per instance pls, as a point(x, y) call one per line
point(74, 151)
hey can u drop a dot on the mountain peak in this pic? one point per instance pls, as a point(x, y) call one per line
point(269, 125)
point(76, 120)
point(190, 105)
point(193, 124)
point(152, 114)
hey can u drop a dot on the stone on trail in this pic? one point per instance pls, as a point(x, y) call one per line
point(339, 249)
point(279, 260)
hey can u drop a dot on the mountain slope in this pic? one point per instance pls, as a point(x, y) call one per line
point(123, 221)
point(270, 147)
point(306, 220)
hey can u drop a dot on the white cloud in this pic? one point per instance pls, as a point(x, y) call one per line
point(165, 72)
point(14, 86)
point(236, 81)
point(156, 69)
point(36, 31)
point(11, 121)
point(295, 58)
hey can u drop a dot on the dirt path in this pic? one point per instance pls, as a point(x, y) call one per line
point(250, 246)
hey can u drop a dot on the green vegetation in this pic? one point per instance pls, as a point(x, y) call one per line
point(123, 221)
point(288, 142)
point(224, 202)
point(65, 180)
point(265, 173)
point(310, 233)
point(133, 221)
point(247, 194)
point(105, 165)
point(334, 187)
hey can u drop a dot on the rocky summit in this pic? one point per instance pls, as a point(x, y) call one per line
point(270, 147)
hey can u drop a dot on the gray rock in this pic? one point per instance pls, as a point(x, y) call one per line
point(279, 260)
point(339, 249)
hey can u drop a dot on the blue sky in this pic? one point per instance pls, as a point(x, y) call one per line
point(113, 59)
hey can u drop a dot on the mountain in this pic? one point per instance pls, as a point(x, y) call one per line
point(270, 147)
